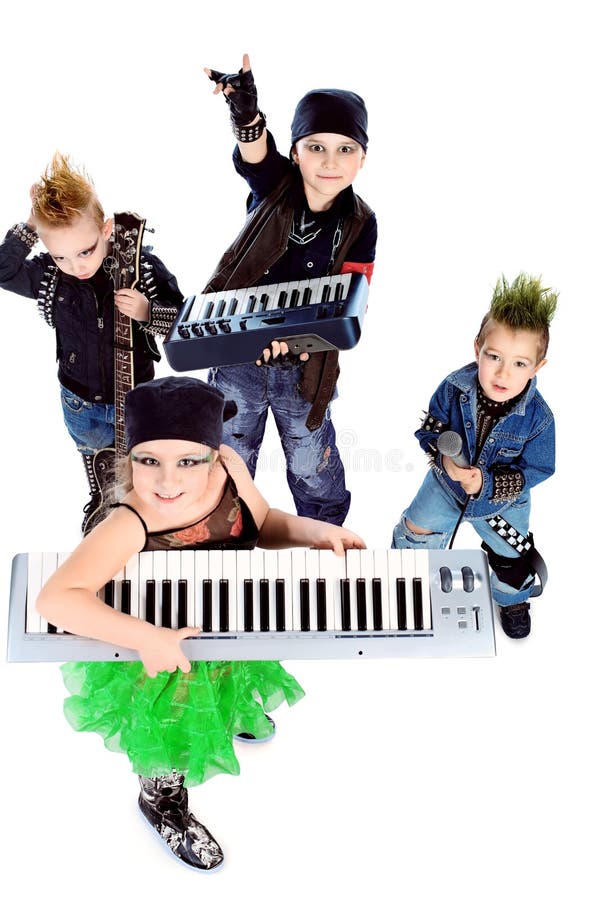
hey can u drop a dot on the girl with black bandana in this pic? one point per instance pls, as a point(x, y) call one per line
point(176, 720)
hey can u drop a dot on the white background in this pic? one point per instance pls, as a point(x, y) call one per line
point(424, 778)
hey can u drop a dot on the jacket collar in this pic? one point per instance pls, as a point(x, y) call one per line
point(466, 380)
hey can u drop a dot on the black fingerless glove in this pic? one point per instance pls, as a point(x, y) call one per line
point(242, 101)
point(284, 361)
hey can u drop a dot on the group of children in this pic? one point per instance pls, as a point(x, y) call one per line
point(192, 448)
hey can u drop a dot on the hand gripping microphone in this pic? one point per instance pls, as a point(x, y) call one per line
point(449, 444)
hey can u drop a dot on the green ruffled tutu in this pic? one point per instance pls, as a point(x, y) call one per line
point(181, 721)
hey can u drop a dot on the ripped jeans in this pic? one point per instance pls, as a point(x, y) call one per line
point(438, 512)
point(315, 473)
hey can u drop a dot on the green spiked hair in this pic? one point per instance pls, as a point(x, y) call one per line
point(523, 305)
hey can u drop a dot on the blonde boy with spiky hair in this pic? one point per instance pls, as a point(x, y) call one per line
point(74, 290)
point(502, 445)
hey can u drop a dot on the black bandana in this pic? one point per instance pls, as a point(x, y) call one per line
point(176, 408)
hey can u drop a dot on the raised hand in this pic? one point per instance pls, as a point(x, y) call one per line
point(239, 91)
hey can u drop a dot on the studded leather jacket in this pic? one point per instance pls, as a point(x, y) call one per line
point(82, 314)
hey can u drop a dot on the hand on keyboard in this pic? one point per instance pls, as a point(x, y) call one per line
point(278, 355)
point(161, 651)
point(336, 538)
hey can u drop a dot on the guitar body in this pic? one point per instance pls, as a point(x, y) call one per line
point(125, 273)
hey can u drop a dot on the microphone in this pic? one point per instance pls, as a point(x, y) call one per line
point(450, 444)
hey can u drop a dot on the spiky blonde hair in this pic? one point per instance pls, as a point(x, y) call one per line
point(63, 194)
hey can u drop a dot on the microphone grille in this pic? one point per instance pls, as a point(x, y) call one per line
point(449, 443)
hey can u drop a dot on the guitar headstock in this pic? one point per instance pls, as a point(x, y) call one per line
point(124, 262)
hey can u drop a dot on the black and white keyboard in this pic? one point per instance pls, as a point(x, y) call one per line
point(283, 604)
point(234, 326)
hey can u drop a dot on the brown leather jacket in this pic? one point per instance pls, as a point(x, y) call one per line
point(262, 241)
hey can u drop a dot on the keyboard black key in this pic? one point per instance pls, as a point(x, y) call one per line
point(248, 605)
point(401, 603)
point(126, 596)
point(377, 607)
point(182, 603)
point(223, 604)
point(280, 604)
point(418, 603)
point(151, 601)
point(263, 603)
point(321, 605)
point(361, 604)
point(345, 604)
point(166, 600)
point(304, 605)
point(109, 594)
point(207, 604)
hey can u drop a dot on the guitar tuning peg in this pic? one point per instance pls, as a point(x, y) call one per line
point(151, 230)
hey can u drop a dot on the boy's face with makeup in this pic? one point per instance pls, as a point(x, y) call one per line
point(77, 249)
point(506, 360)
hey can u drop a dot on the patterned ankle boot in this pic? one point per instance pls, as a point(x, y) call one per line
point(164, 803)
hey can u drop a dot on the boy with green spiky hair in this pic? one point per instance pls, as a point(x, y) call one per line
point(502, 445)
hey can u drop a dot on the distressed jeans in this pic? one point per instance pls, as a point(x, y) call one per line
point(434, 509)
point(315, 473)
point(91, 425)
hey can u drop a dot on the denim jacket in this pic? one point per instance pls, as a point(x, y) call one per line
point(521, 442)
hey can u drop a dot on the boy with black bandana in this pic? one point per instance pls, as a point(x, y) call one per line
point(304, 221)
point(507, 434)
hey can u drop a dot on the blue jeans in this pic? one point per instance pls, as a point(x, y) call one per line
point(315, 473)
point(437, 511)
point(91, 425)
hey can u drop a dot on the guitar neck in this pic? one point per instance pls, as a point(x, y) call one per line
point(129, 229)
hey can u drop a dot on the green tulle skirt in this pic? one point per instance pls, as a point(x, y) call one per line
point(177, 721)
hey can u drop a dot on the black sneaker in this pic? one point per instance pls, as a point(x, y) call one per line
point(252, 739)
point(515, 620)
point(164, 803)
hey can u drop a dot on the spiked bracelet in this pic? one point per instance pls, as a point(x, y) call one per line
point(25, 233)
point(246, 134)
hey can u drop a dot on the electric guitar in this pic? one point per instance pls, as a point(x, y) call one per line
point(124, 266)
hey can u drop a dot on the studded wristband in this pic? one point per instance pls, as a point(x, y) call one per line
point(246, 134)
point(25, 233)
